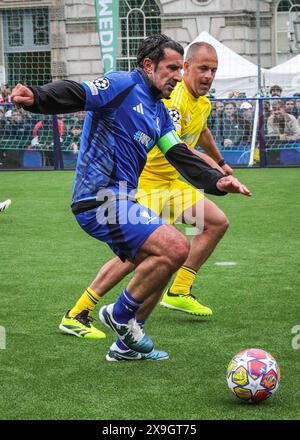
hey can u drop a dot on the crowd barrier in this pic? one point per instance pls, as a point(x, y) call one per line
point(260, 131)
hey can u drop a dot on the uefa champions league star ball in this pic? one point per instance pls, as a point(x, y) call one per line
point(253, 375)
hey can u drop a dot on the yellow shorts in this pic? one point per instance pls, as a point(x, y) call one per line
point(167, 198)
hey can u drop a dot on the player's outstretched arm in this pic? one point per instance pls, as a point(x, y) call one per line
point(53, 98)
point(196, 171)
point(207, 142)
point(207, 159)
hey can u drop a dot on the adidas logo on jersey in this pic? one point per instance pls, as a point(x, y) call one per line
point(139, 108)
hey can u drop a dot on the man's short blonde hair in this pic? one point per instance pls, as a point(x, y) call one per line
point(195, 47)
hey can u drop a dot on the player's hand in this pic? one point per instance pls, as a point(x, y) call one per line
point(230, 184)
point(22, 95)
point(227, 169)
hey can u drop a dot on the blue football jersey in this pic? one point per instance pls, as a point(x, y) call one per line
point(123, 123)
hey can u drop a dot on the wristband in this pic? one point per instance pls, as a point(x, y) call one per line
point(221, 163)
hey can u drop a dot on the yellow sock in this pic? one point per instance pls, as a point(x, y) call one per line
point(183, 281)
point(87, 301)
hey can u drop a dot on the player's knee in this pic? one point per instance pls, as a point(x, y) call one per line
point(220, 224)
point(224, 224)
point(173, 247)
point(179, 251)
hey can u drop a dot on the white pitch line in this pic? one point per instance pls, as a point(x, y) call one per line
point(226, 263)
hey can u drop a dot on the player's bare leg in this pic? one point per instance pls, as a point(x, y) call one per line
point(111, 274)
point(204, 243)
point(215, 224)
point(155, 264)
point(154, 268)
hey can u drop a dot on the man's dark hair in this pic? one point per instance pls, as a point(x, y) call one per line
point(153, 47)
point(275, 88)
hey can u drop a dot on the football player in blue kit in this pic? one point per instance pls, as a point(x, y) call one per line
point(125, 120)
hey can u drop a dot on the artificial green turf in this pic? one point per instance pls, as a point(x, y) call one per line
point(47, 261)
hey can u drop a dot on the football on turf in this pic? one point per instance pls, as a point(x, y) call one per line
point(253, 375)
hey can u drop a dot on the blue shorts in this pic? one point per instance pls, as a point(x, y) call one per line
point(123, 224)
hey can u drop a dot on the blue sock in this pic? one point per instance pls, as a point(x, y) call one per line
point(125, 308)
point(120, 343)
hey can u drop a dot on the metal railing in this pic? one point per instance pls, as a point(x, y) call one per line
point(260, 131)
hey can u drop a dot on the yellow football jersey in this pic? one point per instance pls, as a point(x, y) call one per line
point(189, 115)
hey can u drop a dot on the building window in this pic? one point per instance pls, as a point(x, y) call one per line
point(26, 30)
point(15, 30)
point(40, 27)
point(284, 5)
point(138, 19)
point(27, 54)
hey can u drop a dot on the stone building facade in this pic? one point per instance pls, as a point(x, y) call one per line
point(73, 44)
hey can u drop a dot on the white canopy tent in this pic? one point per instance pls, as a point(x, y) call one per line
point(234, 71)
point(286, 75)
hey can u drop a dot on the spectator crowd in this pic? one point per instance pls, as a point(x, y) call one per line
point(231, 124)
point(21, 130)
point(231, 120)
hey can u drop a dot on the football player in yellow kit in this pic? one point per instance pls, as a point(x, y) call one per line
point(172, 198)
